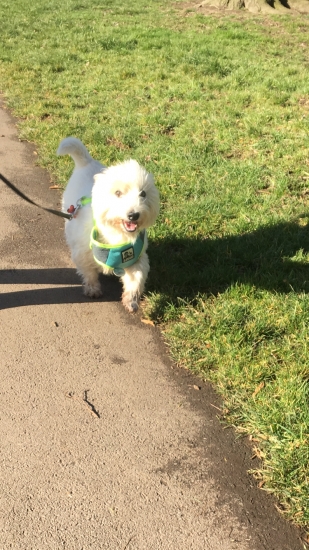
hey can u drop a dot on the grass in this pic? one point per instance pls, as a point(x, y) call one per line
point(218, 109)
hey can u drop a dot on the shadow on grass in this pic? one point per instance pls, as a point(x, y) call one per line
point(272, 257)
point(65, 288)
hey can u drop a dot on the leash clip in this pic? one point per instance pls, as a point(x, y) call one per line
point(73, 210)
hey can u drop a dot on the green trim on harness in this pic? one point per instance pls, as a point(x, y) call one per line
point(116, 257)
point(84, 200)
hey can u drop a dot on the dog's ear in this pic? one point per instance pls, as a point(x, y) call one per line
point(155, 206)
point(97, 177)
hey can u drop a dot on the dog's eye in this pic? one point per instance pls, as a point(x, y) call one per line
point(118, 193)
point(142, 194)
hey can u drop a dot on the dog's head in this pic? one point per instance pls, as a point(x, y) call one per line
point(125, 197)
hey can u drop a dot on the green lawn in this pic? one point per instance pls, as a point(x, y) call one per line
point(218, 109)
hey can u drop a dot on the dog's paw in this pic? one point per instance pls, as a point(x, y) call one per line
point(93, 291)
point(130, 302)
point(132, 307)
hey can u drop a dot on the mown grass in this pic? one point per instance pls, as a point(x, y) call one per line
point(218, 109)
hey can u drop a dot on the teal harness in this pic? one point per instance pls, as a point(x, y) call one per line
point(117, 257)
point(114, 257)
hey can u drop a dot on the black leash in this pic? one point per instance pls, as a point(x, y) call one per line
point(23, 196)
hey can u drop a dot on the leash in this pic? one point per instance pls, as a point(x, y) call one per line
point(23, 196)
point(115, 258)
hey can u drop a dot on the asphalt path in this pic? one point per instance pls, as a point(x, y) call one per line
point(105, 443)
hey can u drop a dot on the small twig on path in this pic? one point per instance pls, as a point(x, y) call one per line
point(214, 406)
point(90, 405)
point(130, 540)
point(85, 402)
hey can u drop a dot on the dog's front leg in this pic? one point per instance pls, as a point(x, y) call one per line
point(134, 282)
point(88, 270)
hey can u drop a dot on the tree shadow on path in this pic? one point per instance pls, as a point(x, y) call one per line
point(273, 258)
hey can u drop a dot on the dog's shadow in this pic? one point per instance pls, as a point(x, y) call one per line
point(273, 257)
point(64, 287)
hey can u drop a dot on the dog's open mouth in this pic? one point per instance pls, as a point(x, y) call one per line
point(129, 226)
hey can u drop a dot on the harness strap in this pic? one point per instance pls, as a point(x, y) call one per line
point(84, 200)
point(117, 257)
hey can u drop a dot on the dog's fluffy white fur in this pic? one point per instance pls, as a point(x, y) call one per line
point(125, 200)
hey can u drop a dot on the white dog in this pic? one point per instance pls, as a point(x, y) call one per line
point(108, 229)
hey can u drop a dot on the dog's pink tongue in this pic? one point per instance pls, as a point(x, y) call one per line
point(131, 226)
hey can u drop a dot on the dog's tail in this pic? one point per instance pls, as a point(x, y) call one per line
point(74, 147)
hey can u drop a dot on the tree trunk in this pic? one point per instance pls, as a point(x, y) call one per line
point(259, 6)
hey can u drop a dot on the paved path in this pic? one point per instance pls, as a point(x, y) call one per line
point(104, 443)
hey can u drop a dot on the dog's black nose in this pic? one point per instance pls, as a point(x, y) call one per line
point(133, 216)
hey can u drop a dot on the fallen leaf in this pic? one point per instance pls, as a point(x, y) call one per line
point(196, 387)
point(258, 389)
point(262, 436)
point(55, 187)
point(258, 453)
point(147, 322)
